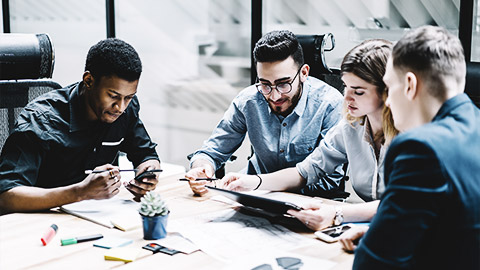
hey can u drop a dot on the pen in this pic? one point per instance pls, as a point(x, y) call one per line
point(199, 179)
point(102, 171)
point(49, 234)
point(75, 240)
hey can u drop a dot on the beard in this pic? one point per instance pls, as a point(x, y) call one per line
point(293, 101)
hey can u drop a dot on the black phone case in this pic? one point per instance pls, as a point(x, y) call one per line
point(147, 174)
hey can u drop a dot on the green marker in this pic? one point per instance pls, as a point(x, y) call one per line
point(75, 240)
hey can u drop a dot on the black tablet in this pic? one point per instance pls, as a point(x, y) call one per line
point(269, 205)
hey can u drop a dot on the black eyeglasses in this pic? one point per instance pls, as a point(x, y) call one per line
point(282, 88)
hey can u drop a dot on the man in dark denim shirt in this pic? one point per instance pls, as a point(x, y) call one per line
point(80, 127)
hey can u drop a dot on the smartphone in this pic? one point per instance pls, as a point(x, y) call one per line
point(332, 234)
point(147, 174)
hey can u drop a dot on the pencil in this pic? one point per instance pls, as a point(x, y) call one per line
point(199, 179)
point(92, 171)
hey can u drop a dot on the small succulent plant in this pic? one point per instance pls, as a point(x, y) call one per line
point(152, 205)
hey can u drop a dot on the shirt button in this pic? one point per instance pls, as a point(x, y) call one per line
point(284, 124)
point(310, 148)
point(281, 150)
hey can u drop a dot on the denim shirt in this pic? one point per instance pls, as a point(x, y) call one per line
point(278, 142)
point(350, 143)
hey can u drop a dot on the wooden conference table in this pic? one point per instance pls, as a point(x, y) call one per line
point(21, 248)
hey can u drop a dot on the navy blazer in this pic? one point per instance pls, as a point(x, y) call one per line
point(429, 215)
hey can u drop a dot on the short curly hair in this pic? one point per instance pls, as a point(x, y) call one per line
point(114, 57)
point(278, 46)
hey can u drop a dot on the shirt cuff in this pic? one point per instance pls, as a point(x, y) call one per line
point(302, 169)
point(204, 157)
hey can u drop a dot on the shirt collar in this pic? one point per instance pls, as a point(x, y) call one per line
point(450, 104)
point(78, 120)
point(367, 131)
point(302, 103)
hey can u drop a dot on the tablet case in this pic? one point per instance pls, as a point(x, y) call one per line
point(269, 205)
point(273, 210)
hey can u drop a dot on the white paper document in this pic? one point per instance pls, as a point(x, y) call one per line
point(114, 212)
point(178, 242)
point(228, 234)
point(278, 260)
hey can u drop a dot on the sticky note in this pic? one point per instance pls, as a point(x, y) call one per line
point(125, 254)
point(112, 242)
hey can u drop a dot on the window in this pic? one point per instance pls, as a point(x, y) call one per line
point(196, 57)
point(351, 22)
point(74, 26)
point(475, 57)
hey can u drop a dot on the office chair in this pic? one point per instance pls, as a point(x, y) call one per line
point(26, 66)
point(314, 48)
point(472, 83)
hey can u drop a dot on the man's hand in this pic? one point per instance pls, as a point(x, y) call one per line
point(350, 238)
point(240, 182)
point(201, 171)
point(315, 215)
point(139, 187)
point(101, 185)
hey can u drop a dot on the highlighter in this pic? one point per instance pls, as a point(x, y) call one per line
point(49, 234)
point(75, 240)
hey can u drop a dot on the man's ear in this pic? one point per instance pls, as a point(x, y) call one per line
point(88, 79)
point(304, 73)
point(411, 85)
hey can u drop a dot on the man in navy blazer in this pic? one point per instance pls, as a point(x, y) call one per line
point(429, 215)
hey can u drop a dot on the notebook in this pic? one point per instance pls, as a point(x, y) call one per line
point(111, 213)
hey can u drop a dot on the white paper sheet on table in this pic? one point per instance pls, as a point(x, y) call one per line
point(268, 259)
point(114, 212)
point(178, 242)
point(228, 234)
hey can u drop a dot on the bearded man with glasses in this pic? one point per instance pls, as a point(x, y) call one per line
point(285, 114)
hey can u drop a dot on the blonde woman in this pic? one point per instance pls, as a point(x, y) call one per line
point(360, 139)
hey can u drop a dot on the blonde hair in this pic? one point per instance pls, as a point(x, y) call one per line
point(368, 61)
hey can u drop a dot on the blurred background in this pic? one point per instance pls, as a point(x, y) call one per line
point(197, 53)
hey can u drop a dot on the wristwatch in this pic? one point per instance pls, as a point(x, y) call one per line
point(338, 219)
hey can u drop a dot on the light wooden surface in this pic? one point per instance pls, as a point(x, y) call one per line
point(20, 246)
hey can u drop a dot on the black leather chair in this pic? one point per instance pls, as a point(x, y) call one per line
point(26, 66)
point(314, 48)
point(472, 84)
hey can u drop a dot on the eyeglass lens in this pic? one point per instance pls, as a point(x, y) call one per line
point(282, 88)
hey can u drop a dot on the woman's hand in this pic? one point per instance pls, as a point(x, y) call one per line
point(315, 216)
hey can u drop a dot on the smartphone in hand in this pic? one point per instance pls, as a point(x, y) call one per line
point(332, 234)
point(147, 174)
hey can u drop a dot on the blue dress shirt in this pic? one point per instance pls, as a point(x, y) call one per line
point(278, 142)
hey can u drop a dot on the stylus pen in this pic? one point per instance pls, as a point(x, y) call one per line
point(199, 179)
point(102, 171)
